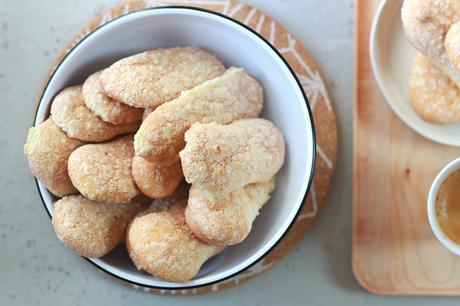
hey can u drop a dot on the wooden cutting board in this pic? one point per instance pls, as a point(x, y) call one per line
point(394, 249)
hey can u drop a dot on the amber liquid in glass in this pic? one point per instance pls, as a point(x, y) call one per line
point(448, 206)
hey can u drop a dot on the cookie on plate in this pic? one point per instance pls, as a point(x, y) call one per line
point(433, 95)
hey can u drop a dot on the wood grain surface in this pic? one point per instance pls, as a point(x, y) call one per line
point(394, 249)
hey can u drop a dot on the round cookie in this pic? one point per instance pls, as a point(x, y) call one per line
point(433, 95)
point(90, 228)
point(156, 181)
point(161, 244)
point(153, 77)
point(426, 24)
point(47, 150)
point(108, 109)
point(73, 117)
point(102, 172)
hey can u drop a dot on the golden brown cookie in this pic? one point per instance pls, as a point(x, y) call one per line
point(151, 78)
point(156, 181)
point(426, 24)
point(108, 109)
point(47, 150)
point(222, 158)
point(102, 172)
point(232, 96)
point(226, 219)
point(161, 244)
point(90, 228)
point(433, 95)
point(73, 117)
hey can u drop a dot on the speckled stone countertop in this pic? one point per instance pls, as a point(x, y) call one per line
point(34, 267)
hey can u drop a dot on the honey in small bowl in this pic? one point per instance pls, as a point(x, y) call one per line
point(448, 206)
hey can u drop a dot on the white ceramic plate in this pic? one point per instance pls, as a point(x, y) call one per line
point(285, 104)
point(392, 58)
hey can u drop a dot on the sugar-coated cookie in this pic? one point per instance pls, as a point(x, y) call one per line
point(226, 219)
point(90, 228)
point(156, 181)
point(78, 121)
point(108, 109)
point(47, 150)
point(151, 78)
point(232, 96)
point(221, 158)
point(102, 172)
point(426, 24)
point(161, 244)
point(433, 95)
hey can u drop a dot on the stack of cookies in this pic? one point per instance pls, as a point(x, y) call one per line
point(433, 28)
point(116, 150)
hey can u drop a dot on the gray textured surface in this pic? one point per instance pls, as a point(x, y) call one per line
point(34, 267)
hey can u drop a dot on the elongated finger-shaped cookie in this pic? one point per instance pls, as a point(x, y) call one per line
point(433, 95)
point(108, 109)
point(78, 121)
point(102, 172)
point(156, 181)
point(226, 219)
point(232, 96)
point(222, 158)
point(90, 228)
point(161, 244)
point(426, 24)
point(47, 150)
point(153, 77)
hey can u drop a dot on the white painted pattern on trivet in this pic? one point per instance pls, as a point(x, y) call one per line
point(314, 206)
point(248, 18)
point(236, 9)
point(312, 84)
point(260, 23)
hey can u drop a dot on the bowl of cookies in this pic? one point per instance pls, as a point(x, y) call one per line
point(173, 148)
point(415, 59)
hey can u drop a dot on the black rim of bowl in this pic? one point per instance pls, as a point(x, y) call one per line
point(313, 134)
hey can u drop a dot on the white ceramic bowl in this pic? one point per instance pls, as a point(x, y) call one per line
point(431, 204)
point(285, 104)
point(392, 57)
